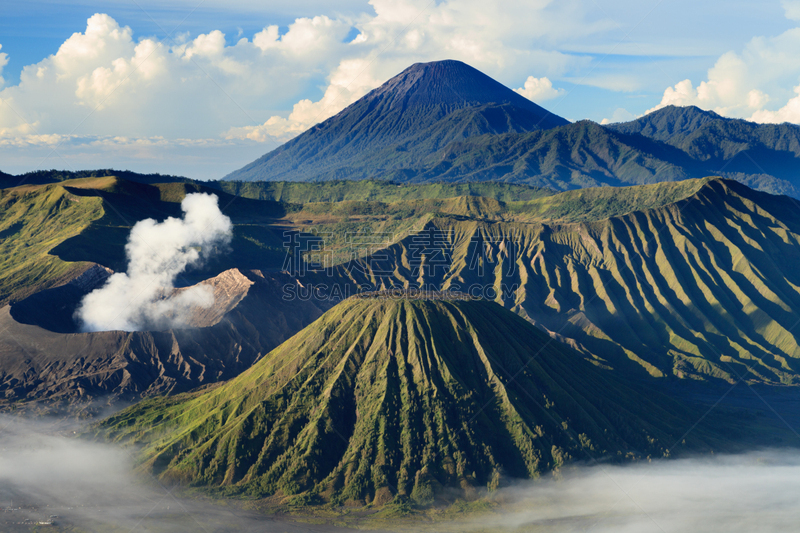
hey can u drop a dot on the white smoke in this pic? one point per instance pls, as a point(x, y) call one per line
point(144, 296)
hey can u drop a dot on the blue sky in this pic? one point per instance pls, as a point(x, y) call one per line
point(201, 88)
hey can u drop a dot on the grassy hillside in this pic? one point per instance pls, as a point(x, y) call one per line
point(371, 190)
point(692, 279)
point(403, 399)
point(50, 232)
point(33, 220)
point(703, 287)
point(599, 203)
point(44, 177)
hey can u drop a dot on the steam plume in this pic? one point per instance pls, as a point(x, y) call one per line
point(157, 253)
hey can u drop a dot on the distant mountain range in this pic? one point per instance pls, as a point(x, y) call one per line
point(446, 121)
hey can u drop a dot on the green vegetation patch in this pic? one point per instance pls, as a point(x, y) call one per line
point(407, 402)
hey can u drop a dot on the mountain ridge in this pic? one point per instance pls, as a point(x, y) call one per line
point(626, 276)
point(413, 130)
point(698, 288)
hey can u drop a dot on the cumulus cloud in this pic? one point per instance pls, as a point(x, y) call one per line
point(791, 9)
point(729, 89)
point(620, 115)
point(538, 89)
point(788, 113)
point(753, 84)
point(103, 82)
point(274, 84)
point(144, 296)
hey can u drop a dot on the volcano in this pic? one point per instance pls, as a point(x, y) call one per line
point(410, 397)
point(403, 121)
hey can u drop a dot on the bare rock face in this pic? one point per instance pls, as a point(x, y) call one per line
point(43, 359)
point(230, 288)
point(91, 278)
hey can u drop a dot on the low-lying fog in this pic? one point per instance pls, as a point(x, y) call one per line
point(89, 486)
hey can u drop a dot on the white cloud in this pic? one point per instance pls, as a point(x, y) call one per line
point(729, 89)
point(307, 35)
point(620, 115)
point(538, 89)
point(788, 113)
point(104, 82)
point(744, 84)
point(791, 9)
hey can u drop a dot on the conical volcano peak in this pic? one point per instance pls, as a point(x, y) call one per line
point(449, 83)
point(402, 398)
point(401, 123)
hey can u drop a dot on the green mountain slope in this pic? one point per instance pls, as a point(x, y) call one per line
point(401, 397)
point(702, 287)
point(583, 154)
point(33, 221)
point(763, 156)
point(690, 279)
point(372, 190)
point(50, 233)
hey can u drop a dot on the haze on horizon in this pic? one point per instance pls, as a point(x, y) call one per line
point(200, 90)
point(90, 485)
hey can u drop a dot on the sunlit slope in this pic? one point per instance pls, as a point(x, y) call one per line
point(50, 233)
point(705, 286)
point(33, 220)
point(372, 190)
point(400, 397)
point(599, 203)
